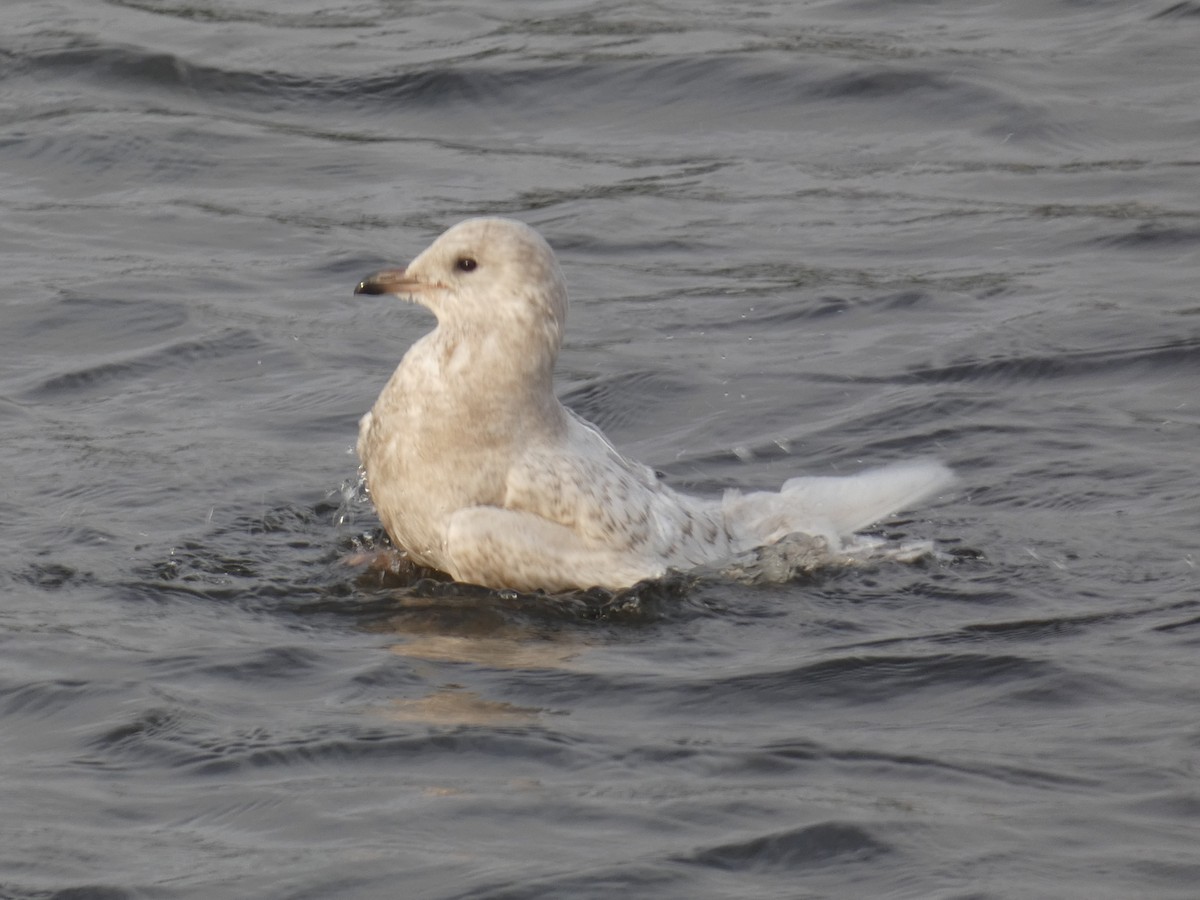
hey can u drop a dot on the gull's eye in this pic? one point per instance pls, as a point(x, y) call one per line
point(465, 264)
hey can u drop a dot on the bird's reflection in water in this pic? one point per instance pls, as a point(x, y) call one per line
point(511, 648)
point(514, 651)
point(435, 620)
point(449, 706)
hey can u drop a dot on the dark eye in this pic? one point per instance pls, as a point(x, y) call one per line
point(465, 264)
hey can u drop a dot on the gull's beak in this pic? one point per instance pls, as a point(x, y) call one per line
point(388, 281)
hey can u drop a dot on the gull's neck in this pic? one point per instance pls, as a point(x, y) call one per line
point(493, 374)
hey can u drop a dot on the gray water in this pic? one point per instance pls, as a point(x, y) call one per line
point(801, 238)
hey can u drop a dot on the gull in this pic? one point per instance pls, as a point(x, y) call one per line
point(477, 470)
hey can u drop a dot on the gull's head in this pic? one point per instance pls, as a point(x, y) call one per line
point(484, 274)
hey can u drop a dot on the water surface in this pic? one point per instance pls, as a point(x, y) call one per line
point(801, 238)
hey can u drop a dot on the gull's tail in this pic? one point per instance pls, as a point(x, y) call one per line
point(834, 507)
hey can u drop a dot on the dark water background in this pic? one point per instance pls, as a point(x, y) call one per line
point(801, 237)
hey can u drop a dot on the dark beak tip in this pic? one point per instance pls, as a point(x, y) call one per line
point(369, 286)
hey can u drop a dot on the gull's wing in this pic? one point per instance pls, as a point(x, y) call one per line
point(584, 484)
point(525, 551)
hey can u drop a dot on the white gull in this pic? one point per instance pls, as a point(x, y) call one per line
point(477, 470)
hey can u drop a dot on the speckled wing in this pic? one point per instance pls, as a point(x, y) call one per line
point(585, 484)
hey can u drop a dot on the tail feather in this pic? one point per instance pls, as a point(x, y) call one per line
point(834, 507)
point(855, 501)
